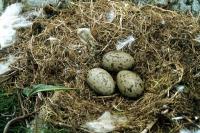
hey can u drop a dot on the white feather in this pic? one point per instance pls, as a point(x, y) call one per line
point(189, 131)
point(5, 66)
point(41, 3)
point(180, 88)
point(11, 20)
point(85, 35)
point(197, 39)
point(110, 16)
point(124, 42)
point(106, 123)
point(178, 118)
point(12, 10)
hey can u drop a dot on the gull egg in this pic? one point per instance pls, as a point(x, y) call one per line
point(130, 84)
point(101, 81)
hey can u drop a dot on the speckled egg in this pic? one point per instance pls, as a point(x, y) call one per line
point(117, 61)
point(130, 84)
point(101, 81)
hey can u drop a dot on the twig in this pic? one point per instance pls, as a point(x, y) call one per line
point(158, 8)
point(6, 77)
point(60, 124)
point(189, 120)
point(149, 126)
point(83, 129)
point(13, 114)
point(100, 97)
point(15, 120)
point(21, 103)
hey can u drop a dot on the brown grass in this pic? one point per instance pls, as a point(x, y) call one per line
point(165, 55)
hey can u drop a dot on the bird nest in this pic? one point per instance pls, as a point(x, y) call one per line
point(165, 52)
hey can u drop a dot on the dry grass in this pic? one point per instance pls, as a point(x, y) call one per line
point(165, 55)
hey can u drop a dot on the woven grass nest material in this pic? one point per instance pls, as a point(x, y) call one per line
point(165, 55)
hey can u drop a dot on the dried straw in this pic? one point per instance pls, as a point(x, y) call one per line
point(164, 52)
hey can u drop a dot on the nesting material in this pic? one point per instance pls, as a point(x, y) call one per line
point(87, 38)
point(165, 54)
point(125, 42)
point(180, 88)
point(110, 16)
point(106, 123)
point(178, 118)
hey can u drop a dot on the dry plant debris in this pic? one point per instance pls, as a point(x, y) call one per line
point(164, 52)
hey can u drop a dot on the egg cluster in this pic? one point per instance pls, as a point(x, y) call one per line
point(129, 83)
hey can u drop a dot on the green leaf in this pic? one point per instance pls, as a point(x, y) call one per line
point(29, 91)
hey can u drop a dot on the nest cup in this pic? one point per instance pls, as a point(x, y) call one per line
point(164, 55)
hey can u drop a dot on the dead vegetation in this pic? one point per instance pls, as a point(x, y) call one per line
point(165, 55)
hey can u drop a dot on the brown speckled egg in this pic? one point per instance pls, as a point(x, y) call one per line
point(130, 84)
point(117, 61)
point(101, 81)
